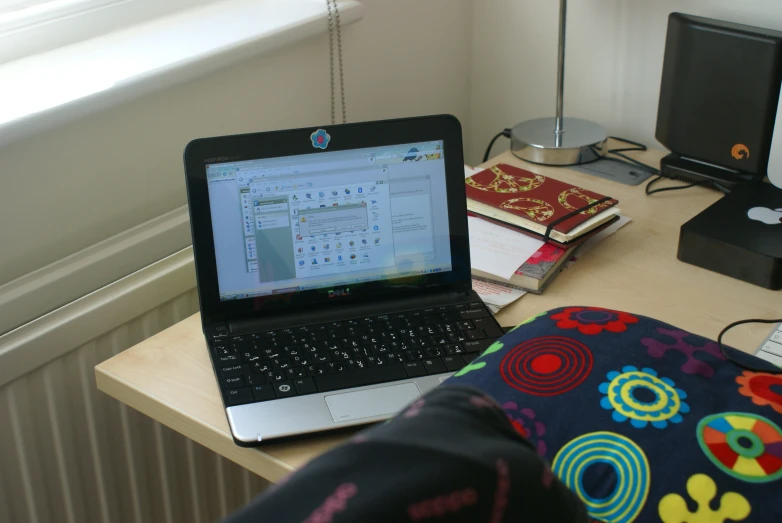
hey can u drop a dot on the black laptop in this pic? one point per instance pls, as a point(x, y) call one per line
point(333, 271)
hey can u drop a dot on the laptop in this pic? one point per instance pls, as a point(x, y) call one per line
point(333, 271)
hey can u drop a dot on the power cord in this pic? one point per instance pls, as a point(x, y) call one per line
point(505, 132)
point(732, 360)
point(658, 174)
point(627, 160)
point(623, 158)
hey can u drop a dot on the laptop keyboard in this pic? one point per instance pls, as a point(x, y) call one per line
point(353, 353)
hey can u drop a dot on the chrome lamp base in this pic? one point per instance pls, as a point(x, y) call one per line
point(537, 141)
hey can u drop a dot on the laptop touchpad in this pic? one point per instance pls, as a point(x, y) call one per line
point(383, 401)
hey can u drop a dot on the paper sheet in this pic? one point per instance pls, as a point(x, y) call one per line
point(599, 237)
point(493, 308)
point(469, 171)
point(496, 294)
point(498, 250)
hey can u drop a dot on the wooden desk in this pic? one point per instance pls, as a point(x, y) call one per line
point(169, 378)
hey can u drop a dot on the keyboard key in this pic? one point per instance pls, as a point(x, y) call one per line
point(249, 357)
point(435, 352)
point(419, 343)
point(454, 349)
point(260, 367)
point(414, 355)
point(429, 330)
point(489, 326)
point(357, 364)
point(773, 348)
point(434, 366)
point(469, 357)
point(316, 370)
point(233, 382)
point(223, 350)
point(301, 361)
point(228, 360)
point(284, 389)
point(368, 376)
point(453, 363)
point(477, 346)
point(296, 373)
point(475, 305)
point(394, 357)
point(336, 366)
point(456, 337)
point(234, 370)
point(263, 392)
point(465, 325)
point(280, 363)
point(414, 369)
point(471, 314)
point(305, 386)
point(275, 375)
point(438, 340)
point(475, 334)
point(239, 396)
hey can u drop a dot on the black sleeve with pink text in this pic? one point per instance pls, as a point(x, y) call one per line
point(452, 456)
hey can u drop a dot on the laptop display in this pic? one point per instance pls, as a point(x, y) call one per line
point(329, 219)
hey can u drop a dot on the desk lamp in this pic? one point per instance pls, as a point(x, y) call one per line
point(559, 140)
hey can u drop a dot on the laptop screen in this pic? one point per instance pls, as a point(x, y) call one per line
point(329, 219)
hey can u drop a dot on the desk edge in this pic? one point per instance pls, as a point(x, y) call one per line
point(259, 462)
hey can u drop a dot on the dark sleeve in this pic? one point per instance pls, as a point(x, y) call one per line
point(451, 456)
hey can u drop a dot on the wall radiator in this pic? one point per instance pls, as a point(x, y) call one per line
point(71, 454)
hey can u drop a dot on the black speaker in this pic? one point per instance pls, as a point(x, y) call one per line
point(718, 99)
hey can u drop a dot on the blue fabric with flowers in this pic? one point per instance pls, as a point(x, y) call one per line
point(644, 421)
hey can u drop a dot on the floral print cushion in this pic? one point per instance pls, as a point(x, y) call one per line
point(644, 421)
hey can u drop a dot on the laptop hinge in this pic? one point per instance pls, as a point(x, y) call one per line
point(346, 311)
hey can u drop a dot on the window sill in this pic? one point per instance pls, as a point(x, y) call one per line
point(52, 88)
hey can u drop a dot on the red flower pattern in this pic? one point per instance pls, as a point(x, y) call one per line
point(547, 253)
point(593, 320)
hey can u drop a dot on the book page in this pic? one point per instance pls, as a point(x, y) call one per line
point(498, 250)
point(496, 294)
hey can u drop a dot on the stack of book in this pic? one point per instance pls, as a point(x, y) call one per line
point(560, 216)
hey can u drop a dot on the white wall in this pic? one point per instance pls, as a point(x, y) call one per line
point(614, 60)
point(73, 186)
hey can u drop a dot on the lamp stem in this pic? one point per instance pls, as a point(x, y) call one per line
point(559, 126)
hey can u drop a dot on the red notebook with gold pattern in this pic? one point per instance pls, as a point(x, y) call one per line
point(534, 202)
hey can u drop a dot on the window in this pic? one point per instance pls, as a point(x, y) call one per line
point(34, 26)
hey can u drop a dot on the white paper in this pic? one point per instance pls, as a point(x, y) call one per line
point(599, 237)
point(493, 308)
point(496, 294)
point(469, 171)
point(498, 250)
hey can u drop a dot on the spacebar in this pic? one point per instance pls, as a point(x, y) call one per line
point(360, 378)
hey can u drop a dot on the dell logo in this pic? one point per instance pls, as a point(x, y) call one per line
point(740, 151)
point(765, 215)
point(339, 293)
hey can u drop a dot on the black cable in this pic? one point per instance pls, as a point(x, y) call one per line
point(505, 132)
point(649, 191)
point(637, 147)
point(623, 158)
point(725, 353)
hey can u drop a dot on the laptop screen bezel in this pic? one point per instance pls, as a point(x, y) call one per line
point(204, 151)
